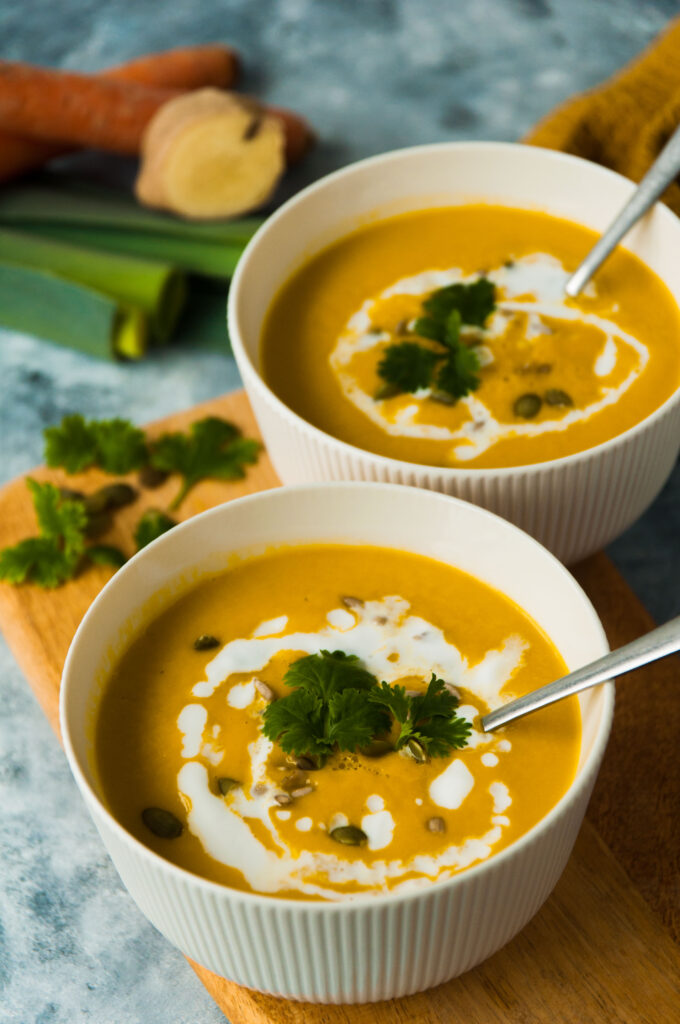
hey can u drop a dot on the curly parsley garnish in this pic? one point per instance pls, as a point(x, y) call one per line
point(116, 446)
point(409, 366)
point(336, 704)
point(56, 554)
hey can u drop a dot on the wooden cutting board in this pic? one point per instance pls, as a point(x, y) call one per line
point(601, 949)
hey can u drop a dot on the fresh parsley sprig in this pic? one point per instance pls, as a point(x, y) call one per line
point(56, 554)
point(430, 718)
point(116, 446)
point(212, 448)
point(336, 704)
point(409, 366)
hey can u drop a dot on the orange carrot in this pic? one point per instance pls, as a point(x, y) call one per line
point(189, 67)
point(97, 112)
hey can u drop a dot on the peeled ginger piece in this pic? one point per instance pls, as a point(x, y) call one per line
point(210, 153)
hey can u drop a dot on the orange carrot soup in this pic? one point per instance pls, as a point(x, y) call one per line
point(444, 337)
point(307, 725)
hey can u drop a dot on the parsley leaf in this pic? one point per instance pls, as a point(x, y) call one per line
point(353, 721)
point(458, 375)
point(328, 673)
point(105, 554)
point(408, 366)
point(116, 446)
point(297, 723)
point(429, 718)
point(53, 556)
point(474, 302)
point(213, 448)
point(151, 525)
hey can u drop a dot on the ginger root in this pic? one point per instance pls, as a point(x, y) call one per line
point(209, 154)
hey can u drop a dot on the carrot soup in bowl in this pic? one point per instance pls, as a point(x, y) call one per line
point(405, 319)
point(273, 713)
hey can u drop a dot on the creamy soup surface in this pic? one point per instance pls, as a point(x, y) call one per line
point(179, 731)
point(553, 376)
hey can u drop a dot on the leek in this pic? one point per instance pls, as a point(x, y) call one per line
point(37, 302)
point(157, 289)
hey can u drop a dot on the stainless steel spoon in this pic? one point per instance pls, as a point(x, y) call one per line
point(659, 643)
point(665, 168)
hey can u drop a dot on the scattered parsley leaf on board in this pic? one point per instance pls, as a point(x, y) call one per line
point(53, 556)
point(151, 525)
point(105, 554)
point(212, 448)
point(116, 446)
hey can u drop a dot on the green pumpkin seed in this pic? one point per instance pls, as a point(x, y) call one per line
point(554, 396)
point(225, 784)
point(348, 835)
point(527, 406)
point(417, 751)
point(68, 494)
point(162, 823)
point(98, 524)
point(306, 764)
point(386, 391)
point(205, 642)
point(293, 780)
point(150, 477)
point(111, 496)
point(443, 397)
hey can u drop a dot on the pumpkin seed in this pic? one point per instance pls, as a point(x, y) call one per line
point(443, 397)
point(98, 524)
point(150, 477)
point(355, 603)
point(264, 690)
point(302, 791)
point(307, 764)
point(435, 824)
point(348, 835)
point(205, 642)
point(402, 327)
point(68, 494)
point(386, 391)
point(108, 497)
point(293, 780)
point(527, 406)
point(225, 784)
point(417, 751)
point(162, 823)
point(283, 798)
point(377, 748)
point(554, 396)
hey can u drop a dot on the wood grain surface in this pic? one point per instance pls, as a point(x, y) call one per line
point(601, 949)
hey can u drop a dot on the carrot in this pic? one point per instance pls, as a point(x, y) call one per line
point(189, 67)
point(97, 112)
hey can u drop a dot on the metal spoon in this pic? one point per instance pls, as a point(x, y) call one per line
point(665, 168)
point(659, 643)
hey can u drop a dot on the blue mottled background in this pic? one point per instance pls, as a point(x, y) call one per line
point(371, 75)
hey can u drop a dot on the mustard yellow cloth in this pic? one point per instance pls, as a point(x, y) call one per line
point(625, 122)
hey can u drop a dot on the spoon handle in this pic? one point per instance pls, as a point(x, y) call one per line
point(659, 176)
point(659, 643)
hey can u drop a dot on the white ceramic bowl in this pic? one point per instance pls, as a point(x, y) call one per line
point(374, 947)
point(574, 505)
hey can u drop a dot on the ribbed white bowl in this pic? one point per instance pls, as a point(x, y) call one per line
point(374, 947)
point(573, 505)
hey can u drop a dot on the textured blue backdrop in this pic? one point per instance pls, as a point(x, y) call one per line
point(371, 75)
